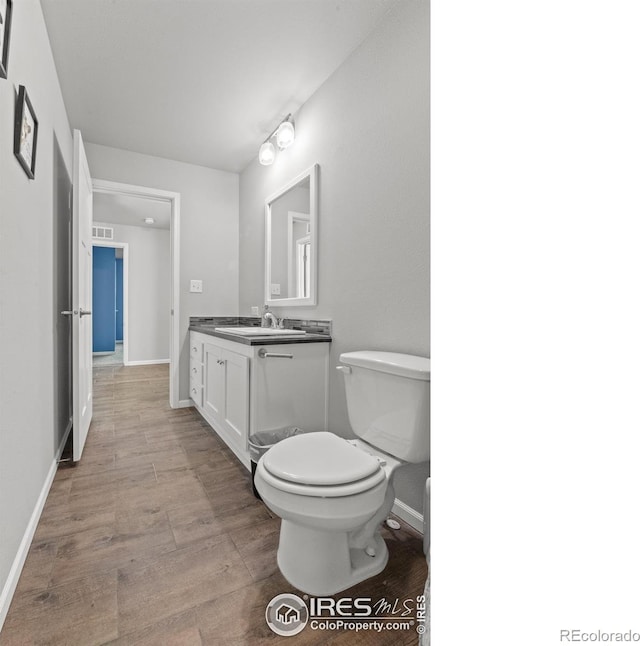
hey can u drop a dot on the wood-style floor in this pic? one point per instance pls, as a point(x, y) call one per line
point(156, 538)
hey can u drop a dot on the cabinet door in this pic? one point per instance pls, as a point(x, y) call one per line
point(214, 380)
point(291, 392)
point(237, 397)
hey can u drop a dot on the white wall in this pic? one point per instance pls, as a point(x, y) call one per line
point(27, 435)
point(208, 230)
point(368, 129)
point(149, 297)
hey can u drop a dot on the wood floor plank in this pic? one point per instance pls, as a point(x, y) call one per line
point(38, 566)
point(258, 546)
point(177, 581)
point(214, 458)
point(195, 522)
point(177, 630)
point(112, 480)
point(223, 471)
point(247, 608)
point(59, 492)
point(82, 613)
point(105, 548)
point(243, 517)
point(68, 520)
point(224, 498)
point(166, 494)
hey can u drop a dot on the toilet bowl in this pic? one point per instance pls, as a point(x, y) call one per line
point(325, 489)
point(333, 494)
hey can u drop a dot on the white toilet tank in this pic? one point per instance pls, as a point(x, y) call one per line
point(388, 400)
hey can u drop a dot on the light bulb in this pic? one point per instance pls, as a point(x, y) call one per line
point(267, 153)
point(285, 135)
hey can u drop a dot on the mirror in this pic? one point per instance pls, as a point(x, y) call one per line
point(291, 252)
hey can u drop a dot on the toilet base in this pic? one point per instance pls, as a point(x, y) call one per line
point(321, 563)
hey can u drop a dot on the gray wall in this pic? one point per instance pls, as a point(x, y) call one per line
point(28, 441)
point(368, 129)
point(149, 271)
point(208, 230)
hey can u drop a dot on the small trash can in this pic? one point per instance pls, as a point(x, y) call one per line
point(260, 443)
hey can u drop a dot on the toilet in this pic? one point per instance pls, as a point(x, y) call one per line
point(333, 494)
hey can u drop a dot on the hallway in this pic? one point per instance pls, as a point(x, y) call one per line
point(155, 538)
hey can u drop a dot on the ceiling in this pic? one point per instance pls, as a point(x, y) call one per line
point(111, 208)
point(199, 81)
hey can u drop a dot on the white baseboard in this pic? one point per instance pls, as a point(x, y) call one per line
point(409, 515)
point(150, 362)
point(21, 556)
point(185, 403)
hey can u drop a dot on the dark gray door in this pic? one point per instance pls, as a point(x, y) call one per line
point(63, 402)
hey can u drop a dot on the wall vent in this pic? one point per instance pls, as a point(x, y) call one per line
point(103, 233)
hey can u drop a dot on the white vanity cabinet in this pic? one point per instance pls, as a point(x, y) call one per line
point(241, 389)
point(226, 394)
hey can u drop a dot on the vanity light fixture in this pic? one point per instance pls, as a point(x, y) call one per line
point(267, 153)
point(284, 133)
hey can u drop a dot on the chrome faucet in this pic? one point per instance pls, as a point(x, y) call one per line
point(268, 318)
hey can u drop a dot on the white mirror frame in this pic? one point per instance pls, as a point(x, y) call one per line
point(312, 174)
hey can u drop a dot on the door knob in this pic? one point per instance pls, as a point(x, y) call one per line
point(84, 312)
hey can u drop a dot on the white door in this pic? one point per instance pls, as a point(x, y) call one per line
point(82, 287)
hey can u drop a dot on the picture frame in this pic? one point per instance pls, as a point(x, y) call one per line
point(6, 8)
point(25, 134)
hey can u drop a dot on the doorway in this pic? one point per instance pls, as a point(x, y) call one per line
point(110, 303)
point(173, 200)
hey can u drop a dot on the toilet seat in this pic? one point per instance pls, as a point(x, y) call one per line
point(320, 465)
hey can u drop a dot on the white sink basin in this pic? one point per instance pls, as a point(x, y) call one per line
point(258, 331)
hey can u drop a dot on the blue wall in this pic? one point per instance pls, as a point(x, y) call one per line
point(119, 300)
point(104, 299)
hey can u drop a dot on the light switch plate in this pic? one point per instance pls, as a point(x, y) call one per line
point(255, 310)
point(196, 287)
point(275, 289)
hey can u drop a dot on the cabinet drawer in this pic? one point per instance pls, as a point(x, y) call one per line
point(195, 392)
point(195, 373)
point(196, 350)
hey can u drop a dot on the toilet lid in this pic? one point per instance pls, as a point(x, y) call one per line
point(319, 459)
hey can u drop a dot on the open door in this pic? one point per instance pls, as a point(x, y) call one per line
point(82, 288)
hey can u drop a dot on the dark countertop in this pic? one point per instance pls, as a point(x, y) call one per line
point(209, 328)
